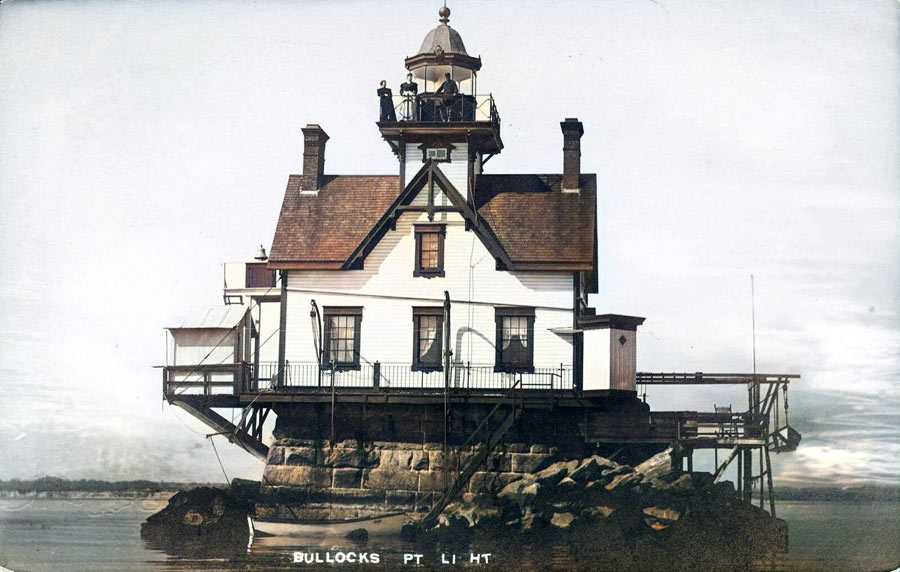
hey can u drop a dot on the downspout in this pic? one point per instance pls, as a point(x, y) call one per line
point(282, 329)
point(446, 342)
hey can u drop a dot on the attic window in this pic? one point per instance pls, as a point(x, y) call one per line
point(437, 152)
point(429, 250)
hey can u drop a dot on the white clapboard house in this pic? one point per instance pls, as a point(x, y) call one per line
point(441, 274)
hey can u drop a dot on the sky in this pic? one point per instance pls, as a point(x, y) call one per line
point(143, 144)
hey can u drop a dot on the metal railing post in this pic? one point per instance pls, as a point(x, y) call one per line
point(332, 402)
point(376, 375)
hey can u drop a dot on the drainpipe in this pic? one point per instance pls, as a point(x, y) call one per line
point(282, 328)
point(446, 342)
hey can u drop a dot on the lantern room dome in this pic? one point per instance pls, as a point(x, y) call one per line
point(443, 46)
point(445, 39)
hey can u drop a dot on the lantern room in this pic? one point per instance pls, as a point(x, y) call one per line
point(439, 97)
point(441, 56)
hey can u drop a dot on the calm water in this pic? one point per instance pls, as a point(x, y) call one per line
point(97, 535)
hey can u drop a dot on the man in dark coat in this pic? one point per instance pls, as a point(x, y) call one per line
point(449, 86)
point(387, 103)
point(447, 91)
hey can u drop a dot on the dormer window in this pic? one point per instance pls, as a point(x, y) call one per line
point(429, 250)
point(436, 154)
point(439, 153)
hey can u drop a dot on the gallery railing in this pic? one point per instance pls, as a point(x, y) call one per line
point(432, 107)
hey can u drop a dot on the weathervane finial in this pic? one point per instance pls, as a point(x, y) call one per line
point(444, 13)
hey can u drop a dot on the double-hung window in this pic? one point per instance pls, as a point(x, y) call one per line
point(428, 338)
point(515, 339)
point(341, 343)
point(429, 250)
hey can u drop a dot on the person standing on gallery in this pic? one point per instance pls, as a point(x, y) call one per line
point(387, 102)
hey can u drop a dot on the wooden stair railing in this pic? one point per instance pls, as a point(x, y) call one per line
point(247, 435)
point(511, 397)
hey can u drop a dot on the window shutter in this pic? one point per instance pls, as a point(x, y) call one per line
point(356, 329)
point(530, 341)
point(498, 346)
point(326, 343)
point(415, 344)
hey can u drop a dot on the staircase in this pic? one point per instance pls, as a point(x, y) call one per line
point(247, 434)
point(511, 398)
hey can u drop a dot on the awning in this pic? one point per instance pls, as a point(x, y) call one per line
point(216, 317)
point(565, 332)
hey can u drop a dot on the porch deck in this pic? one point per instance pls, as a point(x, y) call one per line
point(243, 386)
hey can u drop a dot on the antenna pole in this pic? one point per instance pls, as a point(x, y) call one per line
point(754, 386)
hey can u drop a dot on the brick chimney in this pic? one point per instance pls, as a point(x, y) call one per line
point(314, 138)
point(572, 131)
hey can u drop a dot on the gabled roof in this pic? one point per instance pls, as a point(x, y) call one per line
point(322, 230)
point(525, 221)
point(429, 176)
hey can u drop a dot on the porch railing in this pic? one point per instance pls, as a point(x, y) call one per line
point(387, 376)
point(245, 378)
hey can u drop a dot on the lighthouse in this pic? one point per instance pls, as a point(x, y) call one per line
point(429, 331)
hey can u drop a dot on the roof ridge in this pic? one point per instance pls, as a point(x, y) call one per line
point(334, 175)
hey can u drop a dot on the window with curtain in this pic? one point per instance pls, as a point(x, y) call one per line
point(515, 339)
point(341, 344)
point(428, 339)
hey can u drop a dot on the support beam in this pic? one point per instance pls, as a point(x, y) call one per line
point(748, 474)
point(769, 482)
point(721, 469)
point(195, 405)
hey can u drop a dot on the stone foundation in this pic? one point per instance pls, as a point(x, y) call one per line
point(308, 479)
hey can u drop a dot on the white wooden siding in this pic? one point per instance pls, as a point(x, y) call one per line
point(387, 291)
point(596, 359)
point(456, 170)
point(269, 316)
point(190, 346)
point(609, 364)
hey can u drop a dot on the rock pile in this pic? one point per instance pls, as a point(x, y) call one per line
point(646, 517)
point(203, 522)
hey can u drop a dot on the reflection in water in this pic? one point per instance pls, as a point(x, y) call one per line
point(873, 532)
point(47, 535)
point(321, 552)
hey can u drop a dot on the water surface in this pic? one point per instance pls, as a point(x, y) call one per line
point(53, 535)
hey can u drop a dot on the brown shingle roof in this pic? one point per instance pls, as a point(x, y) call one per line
point(327, 227)
point(535, 222)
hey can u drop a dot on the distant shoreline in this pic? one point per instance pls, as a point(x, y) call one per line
point(87, 495)
point(56, 488)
